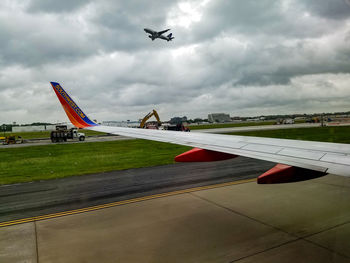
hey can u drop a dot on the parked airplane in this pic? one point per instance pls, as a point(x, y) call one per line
point(154, 34)
point(295, 158)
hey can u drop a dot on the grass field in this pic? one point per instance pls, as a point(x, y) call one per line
point(337, 134)
point(61, 160)
point(238, 124)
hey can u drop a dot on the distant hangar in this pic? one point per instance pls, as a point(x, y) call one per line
point(219, 117)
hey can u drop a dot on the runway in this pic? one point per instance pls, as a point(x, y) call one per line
point(47, 141)
point(52, 196)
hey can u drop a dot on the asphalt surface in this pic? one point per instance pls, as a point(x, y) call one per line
point(46, 141)
point(44, 197)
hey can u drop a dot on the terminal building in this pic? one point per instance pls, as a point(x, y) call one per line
point(219, 117)
point(128, 123)
point(34, 128)
point(176, 120)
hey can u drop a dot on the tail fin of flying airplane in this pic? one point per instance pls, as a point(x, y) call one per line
point(170, 36)
point(77, 117)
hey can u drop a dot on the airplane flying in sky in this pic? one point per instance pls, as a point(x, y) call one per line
point(154, 34)
point(294, 157)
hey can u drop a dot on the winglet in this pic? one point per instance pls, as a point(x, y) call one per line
point(77, 117)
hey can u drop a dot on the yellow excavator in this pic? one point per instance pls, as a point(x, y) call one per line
point(149, 115)
point(11, 139)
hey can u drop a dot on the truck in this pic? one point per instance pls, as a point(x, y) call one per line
point(176, 127)
point(62, 133)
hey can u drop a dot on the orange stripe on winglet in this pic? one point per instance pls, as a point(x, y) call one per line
point(73, 117)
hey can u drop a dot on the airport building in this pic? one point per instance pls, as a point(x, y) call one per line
point(176, 120)
point(129, 124)
point(33, 128)
point(219, 117)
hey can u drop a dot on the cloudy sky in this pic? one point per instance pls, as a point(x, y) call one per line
point(242, 57)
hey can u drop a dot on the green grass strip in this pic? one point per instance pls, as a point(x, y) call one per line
point(229, 125)
point(336, 134)
point(27, 164)
point(237, 124)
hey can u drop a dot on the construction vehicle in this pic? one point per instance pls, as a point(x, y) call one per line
point(313, 120)
point(176, 127)
point(62, 133)
point(285, 121)
point(158, 124)
point(151, 125)
point(11, 139)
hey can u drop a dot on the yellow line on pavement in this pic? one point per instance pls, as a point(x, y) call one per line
point(118, 203)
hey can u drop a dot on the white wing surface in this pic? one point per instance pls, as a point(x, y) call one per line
point(319, 156)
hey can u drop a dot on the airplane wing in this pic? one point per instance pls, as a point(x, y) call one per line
point(149, 31)
point(318, 156)
point(162, 32)
point(163, 37)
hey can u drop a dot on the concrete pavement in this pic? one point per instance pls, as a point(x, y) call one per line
point(298, 222)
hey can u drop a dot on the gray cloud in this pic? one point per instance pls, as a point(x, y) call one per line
point(333, 9)
point(239, 57)
point(52, 6)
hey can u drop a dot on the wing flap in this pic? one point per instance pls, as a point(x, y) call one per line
point(262, 148)
point(336, 158)
point(306, 154)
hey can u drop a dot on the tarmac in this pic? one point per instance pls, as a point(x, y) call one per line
point(306, 221)
point(18, 201)
point(47, 141)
